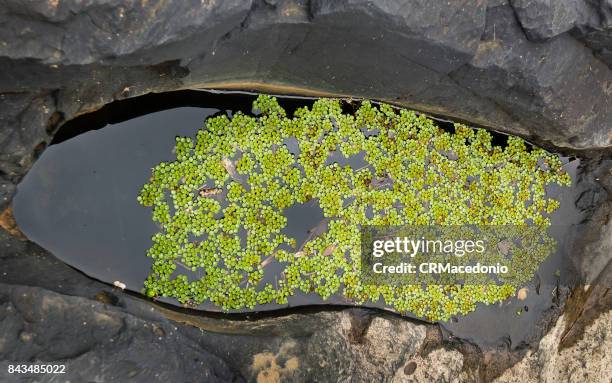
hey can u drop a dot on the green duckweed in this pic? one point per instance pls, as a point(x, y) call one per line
point(238, 176)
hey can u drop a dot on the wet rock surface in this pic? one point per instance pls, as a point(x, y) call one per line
point(524, 67)
point(587, 21)
point(533, 68)
point(97, 341)
point(50, 312)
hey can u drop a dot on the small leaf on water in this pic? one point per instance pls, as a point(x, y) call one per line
point(328, 250)
point(230, 167)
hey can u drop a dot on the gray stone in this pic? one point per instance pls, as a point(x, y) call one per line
point(464, 60)
point(96, 342)
point(587, 361)
point(76, 32)
point(551, 80)
point(50, 312)
point(543, 19)
point(588, 21)
point(525, 68)
point(45, 303)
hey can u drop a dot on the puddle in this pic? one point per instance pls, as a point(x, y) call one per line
point(79, 202)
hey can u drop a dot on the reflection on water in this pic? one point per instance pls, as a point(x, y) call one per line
point(79, 202)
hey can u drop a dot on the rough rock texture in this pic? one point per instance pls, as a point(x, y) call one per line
point(50, 312)
point(594, 240)
point(428, 368)
point(525, 67)
point(543, 19)
point(588, 21)
point(94, 340)
point(537, 68)
point(588, 360)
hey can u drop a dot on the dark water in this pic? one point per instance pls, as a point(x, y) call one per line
point(79, 202)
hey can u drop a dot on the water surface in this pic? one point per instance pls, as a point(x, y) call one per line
point(79, 202)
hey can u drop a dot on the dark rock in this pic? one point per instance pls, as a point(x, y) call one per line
point(27, 115)
point(558, 80)
point(464, 60)
point(588, 21)
point(159, 331)
point(96, 342)
point(543, 19)
point(44, 303)
point(410, 368)
point(599, 39)
point(107, 298)
point(523, 68)
point(7, 190)
point(73, 32)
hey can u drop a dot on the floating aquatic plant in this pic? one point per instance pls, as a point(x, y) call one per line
point(220, 204)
